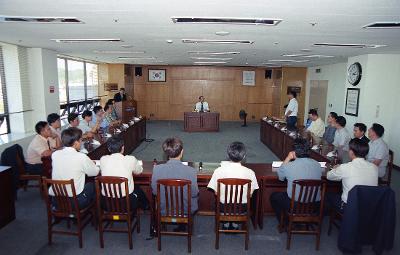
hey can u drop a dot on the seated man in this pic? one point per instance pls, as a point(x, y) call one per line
point(297, 166)
point(201, 106)
point(73, 120)
point(69, 163)
point(234, 169)
point(317, 126)
point(175, 169)
point(53, 119)
point(357, 172)
point(114, 114)
point(87, 126)
point(98, 116)
point(38, 148)
point(342, 139)
point(378, 149)
point(359, 132)
point(108, 117)
point(119, 165)
point(330, 130)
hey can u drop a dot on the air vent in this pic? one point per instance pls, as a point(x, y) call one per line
point(348, 45)
point(383, 25)
point(237, 21)
point(86, 40)
point(217, 41)
point(214, 52)
point(47, 20)
point(117, 52)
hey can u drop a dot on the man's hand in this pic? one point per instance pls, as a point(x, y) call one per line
point(290, 156)
point(46, 153)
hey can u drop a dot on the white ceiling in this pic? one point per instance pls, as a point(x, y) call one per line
point(147, 25)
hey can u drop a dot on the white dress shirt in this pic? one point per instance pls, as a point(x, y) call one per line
point(233, 170)
point(317, 128)
point(378, 149)
point(121, 166)
point(38, 145)
point(292, 106)
point(70, 164)
point(357, 172)
point(86, 126)
point(205, 106)
point(342, 139)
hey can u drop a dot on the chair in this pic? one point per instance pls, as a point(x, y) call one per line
point(24, 177)
point(174, 208)
point(111, 207)
point(233, 210)
point(67, 208)
point(306, 210)
point(334, 218)
point(387, 179)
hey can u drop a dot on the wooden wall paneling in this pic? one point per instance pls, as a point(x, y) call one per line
point(186, 91)
point(258, 111)
point(189, 73)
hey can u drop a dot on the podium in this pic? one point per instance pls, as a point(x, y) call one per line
point(201, 121)
point(126, 110)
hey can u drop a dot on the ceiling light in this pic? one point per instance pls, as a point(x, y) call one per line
point(136, 58)
point(86, 40)
point(288, 60)
point(206, 58)
point(126, 46)
point(46, 20)
point(226, 20)
point(318, 56)
point(215, 52)
point(213, 62)
point(170, 41)
point(348, 45)
point(305, 50)
point(293, 55)
point(118, 52)
point(222, 33)
point(217, 41)
point(383, 25)
point(306, 56)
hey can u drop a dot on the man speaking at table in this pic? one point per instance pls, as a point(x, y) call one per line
point(202, 106)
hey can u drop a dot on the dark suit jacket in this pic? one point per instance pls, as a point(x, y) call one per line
point(118, 98)
point(8, 158)
point(365, 139)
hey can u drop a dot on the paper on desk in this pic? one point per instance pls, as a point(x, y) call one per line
point(330, 154)
point(125, 125)
point(118, 130)
point(108, 135)
point(95, 142)
point(315, 147)
point(284, 129)
point(185, 163)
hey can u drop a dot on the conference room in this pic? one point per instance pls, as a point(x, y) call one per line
point(204, 127)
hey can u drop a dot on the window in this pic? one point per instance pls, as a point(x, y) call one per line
point(62, 83)
point(4, 118)
point(76, 80)
point(92, 81)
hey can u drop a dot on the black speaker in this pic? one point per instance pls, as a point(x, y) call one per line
point(138, 71)
point(268, 74)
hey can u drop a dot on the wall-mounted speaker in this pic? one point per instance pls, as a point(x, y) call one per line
point(268, 74)
point(138, 71)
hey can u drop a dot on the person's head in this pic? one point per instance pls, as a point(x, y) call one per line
point(87, 115)
point(201, 98)
point(72, 137)
point(42, 128)
point(73, 119)
point(98, 110)
point(313, 114)
point(376, 131)
point(332, 118)
point(301, 147)
point(115, 144)
point(173, 148)
point(359, 130)
point(236, 152)
point(110, 102)
point(122, 91)
point(340, 122)
point(107, 108)
point(291, 94)
point(54, 120)
point(358, 148)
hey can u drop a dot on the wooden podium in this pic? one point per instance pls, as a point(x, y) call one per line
point(201, 121)
point(126, 110)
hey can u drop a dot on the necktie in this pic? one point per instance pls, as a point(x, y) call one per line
point(48, 144)
point(202, 107)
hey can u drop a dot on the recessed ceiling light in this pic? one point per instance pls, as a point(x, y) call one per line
point(207, 62)
point(306, 56)
point(222, 33)
point(45, 20)
point(126, 46)
point(318, 56)
point(215, 52)
point(170, 41)
point(136, 58)
point(383, 25)
point(86, 40)
point(349, 45)
point(293, 55)
point(118, 52)
point(305, 50)
point(288, 60)
point(226, 20)
point(217, 41)
point(206, 58)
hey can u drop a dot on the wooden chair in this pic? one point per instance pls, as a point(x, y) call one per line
point(387, 179)
point(233, 210)
point(174, 208)
point(67, 209)
point(306, 210)
point(112, 207)
point(24, 177)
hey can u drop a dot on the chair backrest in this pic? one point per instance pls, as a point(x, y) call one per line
point(109, 195)
point(65, 205)
point(20, 164)
point(174, 197)
point(390, 167)
point(309, 192)
point(234, 190)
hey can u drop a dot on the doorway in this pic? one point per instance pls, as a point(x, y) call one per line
point(318, 96)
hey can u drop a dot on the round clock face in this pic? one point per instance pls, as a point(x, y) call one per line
point(354, 73)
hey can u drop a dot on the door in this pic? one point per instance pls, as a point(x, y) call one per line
point(318, 97)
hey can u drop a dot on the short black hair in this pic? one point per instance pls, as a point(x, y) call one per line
point(313, 112)
point(72, 117)
point(378, 129)
point(236, 151)
point(86, 113)
point(201, 97)
point(301, 147)
point(97, 108)
point(172, 147)
point(359, 147)
point(110, 101)
point(333, 115)
point(106, 107)
point(52, 117)
point(70, 135)
point(341, 121)
point(115, 144)
point(361, 126)
point(293, 93)
point(122, 89)
point(40, 126)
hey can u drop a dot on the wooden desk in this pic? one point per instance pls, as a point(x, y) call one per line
point(201, 121)
point(7, 199)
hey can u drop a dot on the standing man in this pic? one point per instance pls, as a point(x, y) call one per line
point(202, 106)
point(291, 111)
point(359, 132)
point(378, 149)
point(317, 126)
point(120, 96)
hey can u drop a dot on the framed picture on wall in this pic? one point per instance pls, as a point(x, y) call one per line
point(352, 101)
point(157, 75)
point(249, 78)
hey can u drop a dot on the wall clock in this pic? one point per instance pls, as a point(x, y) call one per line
point(354, 73)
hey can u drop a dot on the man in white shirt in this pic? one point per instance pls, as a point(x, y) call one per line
point(55, 126)
point(342, 139)
point(119, 165)
point(317, 127)
point(38, 148)
point(291, 111)
point(87, 126)
point(357, 172)
point(378, 149)
point(202, 106)
point(69, 163)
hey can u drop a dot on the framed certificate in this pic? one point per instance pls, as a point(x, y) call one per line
point(352, 101)
point(157, 75)
point(249, 78)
